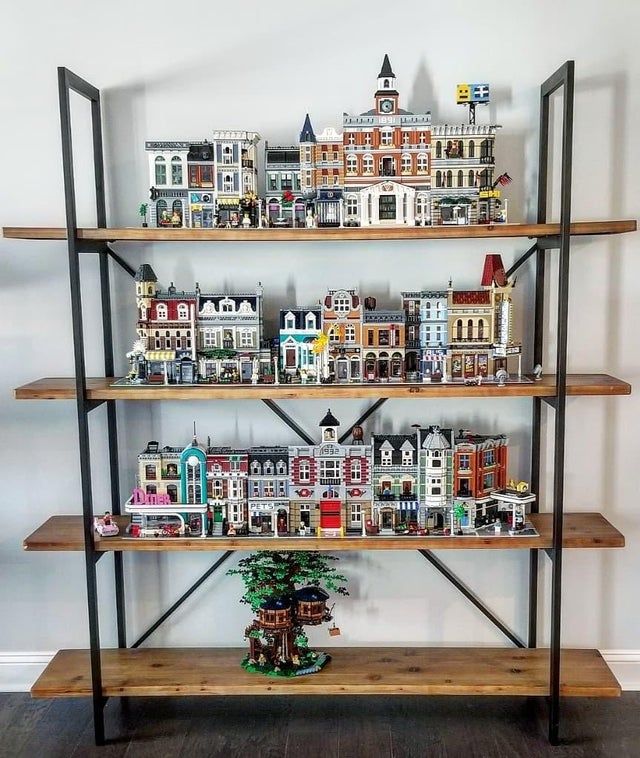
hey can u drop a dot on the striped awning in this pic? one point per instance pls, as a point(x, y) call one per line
point(229, 201)
point(160, 355)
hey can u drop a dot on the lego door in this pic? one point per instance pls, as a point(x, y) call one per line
point(330, 514)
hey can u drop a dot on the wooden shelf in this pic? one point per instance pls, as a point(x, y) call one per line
point(352, 671)
point(306, 235)
point(99, 388)
point(581, 530)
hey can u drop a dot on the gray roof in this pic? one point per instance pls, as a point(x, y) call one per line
point(145, 274)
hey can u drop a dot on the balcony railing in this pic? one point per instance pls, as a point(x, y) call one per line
point(330, 481)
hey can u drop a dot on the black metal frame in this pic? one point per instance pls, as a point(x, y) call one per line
point(69, 82)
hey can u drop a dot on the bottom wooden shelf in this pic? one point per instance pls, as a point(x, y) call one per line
point(352, 671)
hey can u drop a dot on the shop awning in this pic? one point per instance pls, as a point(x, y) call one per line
point(229, 201)
point(160, 355)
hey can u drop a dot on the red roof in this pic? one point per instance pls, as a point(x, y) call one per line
point(493, 271)
point(472, 297)
point(172, 307)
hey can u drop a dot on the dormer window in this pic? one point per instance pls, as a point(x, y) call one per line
point(407, 457)
point(311, 321)
point(183, 312)
point(226, 306)
point(255, 468)
point(161, 311)
point(289, 321)
point(385, 458)
point(268, 467)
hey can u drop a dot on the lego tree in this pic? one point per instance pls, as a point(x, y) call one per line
point(287, 591)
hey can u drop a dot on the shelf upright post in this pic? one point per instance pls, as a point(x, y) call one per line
point(562, 78)
point(68, 82)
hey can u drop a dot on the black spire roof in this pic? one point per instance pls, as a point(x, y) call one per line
point(386, 71)
point(145, 274)
point(329, 420)
point(307, 134)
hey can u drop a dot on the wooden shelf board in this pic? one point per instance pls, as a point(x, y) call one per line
point(306, 235)
point(581, 530)
point(352, 671)
point(99, 388)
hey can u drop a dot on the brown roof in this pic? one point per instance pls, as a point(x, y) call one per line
point(472, 297)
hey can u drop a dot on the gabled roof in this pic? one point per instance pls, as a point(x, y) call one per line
point(438, 439)
point(329, 420)
point(493, 271)
point(145, 274)
point(307, 134)
point(386, 68)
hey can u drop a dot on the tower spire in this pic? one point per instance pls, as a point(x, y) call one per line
point(307, 134)
point(386, 70)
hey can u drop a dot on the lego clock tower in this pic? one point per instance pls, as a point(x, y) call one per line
point(386, 95)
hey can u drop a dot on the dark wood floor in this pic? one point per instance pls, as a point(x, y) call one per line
point(327, 727)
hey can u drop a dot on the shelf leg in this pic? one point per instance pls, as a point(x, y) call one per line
point(564, 78)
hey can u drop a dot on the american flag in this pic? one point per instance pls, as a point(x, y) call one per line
point(504, 179)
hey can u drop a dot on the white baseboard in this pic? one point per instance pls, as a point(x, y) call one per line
point(18, 671)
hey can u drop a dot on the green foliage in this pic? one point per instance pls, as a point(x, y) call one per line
point(218, 353)
point(269, 574)
point(459, 511)
point(142, 211)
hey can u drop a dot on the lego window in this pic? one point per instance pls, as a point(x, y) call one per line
point(406, 164)
point(286, 181)
point(216, 488)
point(422, 163)
point(438, 149)
point(352, 205)
point(304, 471)
point(227, 183)
point(227, 154)
point(273, 182)
point(356, 513)
point(472, 179)
point(352, 164)
point(355, 368)
point(329, 470)
point(438, 178)
point(255, 492)
point(407, 487)
point(385, 457)
point(255, 467)
point(311, 321)
point(161, 170)
point(487, 481)
point(367, 164)
point(406, 138)
point(176, 170)
point(268, 467)
point(460, 178)
point(246, 338)
point(351, 138)
point(183, 312)
point(464, 462)
point(349, 334)
point(161, 311)
point(422, 138)
point(269, 490)
point(407, 457)
point(341, 303)
point(386, 137)
point(367, 138)
point(281, 468)
point(471, 151)
point(356, 471)
point(489, 457)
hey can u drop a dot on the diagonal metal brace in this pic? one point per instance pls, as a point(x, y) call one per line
point(522, 259)
point(181, 599)
point(273, 406)
point(459, 585)
point(119, 260)
point(370, 411)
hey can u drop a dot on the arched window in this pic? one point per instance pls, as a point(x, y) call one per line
point(484, 148)
point(423, 163)
point(367, 164)
point(352, 205)
point(438, 178)
point(472, 179)
point(255, 467)
point(268, 467)
point(438, 149)
point(183, 312)
point(406, 164)
point(172, 491)
point(161, 170)
point(472, 149)
point(460, 149)
point(161, 311)
point(459, 329)
point(227, 183)
point(176, 213)
point(356, 471)
point(449, 178)
point(304, 471)
point(311, 321)
point(334, 334)
point(281, 468)
point(480, 329)
point(460, 178)
point(352, 164)
point(386, 84)
point(227, 154)
point(470, 329)
point(162, 213)
point(176, 170)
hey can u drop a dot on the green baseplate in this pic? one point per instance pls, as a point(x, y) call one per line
point(310, 663)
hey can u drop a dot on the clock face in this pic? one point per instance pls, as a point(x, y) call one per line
point(386, 106)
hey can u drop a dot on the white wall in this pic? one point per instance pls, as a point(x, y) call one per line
point(262, 67)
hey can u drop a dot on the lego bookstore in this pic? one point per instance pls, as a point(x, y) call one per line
point(317, 403)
